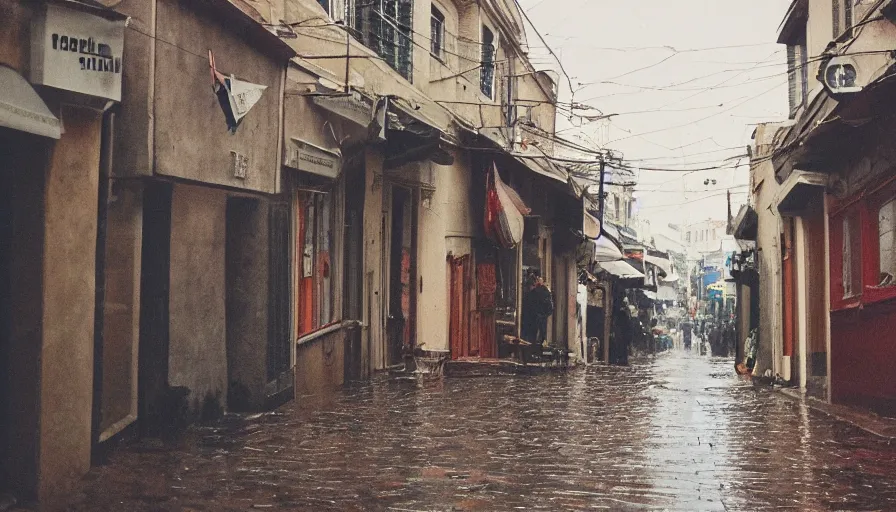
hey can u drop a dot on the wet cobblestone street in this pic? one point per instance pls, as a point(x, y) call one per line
point(677, 433)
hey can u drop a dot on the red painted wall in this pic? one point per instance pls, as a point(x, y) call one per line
point(863, 357)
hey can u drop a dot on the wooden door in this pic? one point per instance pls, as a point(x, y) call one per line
point(459, 308)
point(484, 329)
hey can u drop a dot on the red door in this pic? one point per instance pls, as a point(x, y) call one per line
point(789, 299)
point(484, 327)
point(459, 317)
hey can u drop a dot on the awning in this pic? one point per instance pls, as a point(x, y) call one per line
point(591, 226)
point(22, 109)
point(621, 270)
point(666, 292)
point(670, 278)
point(746, 223)
point(662, 263)
point(798, 189)
point(605, 250)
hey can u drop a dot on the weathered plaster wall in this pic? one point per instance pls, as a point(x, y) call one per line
point(68, 304)
point(374, 310)
point(121, 315)
point(320, 364)
point(247, 263)
point(197, 354)
point(445, 227)
point(16, 34)
point(768, 242)
point(191, 137)
point(134, 120)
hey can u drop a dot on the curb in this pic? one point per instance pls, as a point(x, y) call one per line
point(869, 422)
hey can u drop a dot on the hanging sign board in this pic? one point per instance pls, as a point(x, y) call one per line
point(77, 51)
point(307, 157)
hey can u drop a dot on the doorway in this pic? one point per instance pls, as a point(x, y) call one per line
point(23, 161)
point(401, 321)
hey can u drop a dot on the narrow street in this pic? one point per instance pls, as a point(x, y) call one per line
point(677, 433)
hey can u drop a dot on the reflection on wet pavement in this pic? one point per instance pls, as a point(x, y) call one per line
point(677, 433)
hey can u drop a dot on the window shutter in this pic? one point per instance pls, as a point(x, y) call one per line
point(847, 16)
point(791, 78)
point(337, 10)
point(835, 6)
point(804, 71)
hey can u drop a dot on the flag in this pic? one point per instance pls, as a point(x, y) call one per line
point(236, 97)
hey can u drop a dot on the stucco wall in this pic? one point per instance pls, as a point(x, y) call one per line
point(247, 256)
point(121, 316)
point(448, 219)
point(768, 243)
point(191, 137)
point(16, 34)
point(374, 337)
point(320, 364)
point(68, 314)
point(134, 121)
point(197, 351)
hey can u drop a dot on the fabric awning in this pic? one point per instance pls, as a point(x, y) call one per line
point(22, 109)
point(621, 270)
point(670, 278)
point(666, 292)
point(662, 263)
point(605, 250)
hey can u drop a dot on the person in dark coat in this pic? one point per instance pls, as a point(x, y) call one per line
point(538, 306)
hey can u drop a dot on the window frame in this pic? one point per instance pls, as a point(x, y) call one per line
point(866, 206)
point(437, 45)
point(322, 287)
point(380, 24)
point(487, 67)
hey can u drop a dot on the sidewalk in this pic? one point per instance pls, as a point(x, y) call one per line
point(865, 420)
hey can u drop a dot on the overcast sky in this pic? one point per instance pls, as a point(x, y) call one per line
point(691, 107)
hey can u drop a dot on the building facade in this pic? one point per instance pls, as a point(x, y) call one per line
point(250, 201)
point(822, 192)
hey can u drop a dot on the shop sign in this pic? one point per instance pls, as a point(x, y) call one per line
point(307, 157)
point(77, 51)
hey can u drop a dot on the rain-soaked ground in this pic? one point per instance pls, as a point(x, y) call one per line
point(677, 433)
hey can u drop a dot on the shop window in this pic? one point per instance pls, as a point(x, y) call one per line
point(852, 256)
point(314, 238)
point(886, 232)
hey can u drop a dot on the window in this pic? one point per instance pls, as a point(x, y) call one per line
point(335, 8)
point(852, 256)
point(314, 237)
point(616, 208)
point(797, 74)
point(437, 32)
point(842, 17)
point(386, 27)
point(886, 232)
point(487, 64)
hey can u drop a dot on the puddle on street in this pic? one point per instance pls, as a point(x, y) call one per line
point(677, 433)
